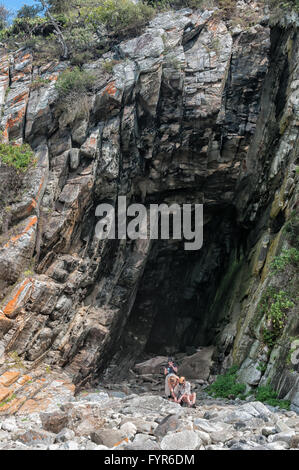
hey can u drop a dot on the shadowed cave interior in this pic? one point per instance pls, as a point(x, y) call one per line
point(174, 309)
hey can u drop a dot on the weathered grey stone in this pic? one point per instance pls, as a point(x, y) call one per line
point(33, 438)
point(74, 159)
point(184, 440)
point(152, 366)
point(198, 365)
point(108, 437)
point(169, 424)
point(282, 436)
point(65, 435)
point(268, 431)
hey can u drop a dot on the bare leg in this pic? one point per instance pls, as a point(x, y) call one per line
point(187, 399)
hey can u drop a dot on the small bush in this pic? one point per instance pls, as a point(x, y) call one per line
point(109, 64)
point(19, 157)
point(287, 257)
point(291, 229)
point(81, 58)
point(267, 395)
point(38, 83)
point(226, 385)
point(121, 17)
point(285, 5)
point(75, 80)
point(27, 25)
point(74, 87)
point(274, 306)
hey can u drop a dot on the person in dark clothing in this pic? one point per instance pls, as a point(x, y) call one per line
point(171, 367)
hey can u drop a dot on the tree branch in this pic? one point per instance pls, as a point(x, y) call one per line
point(58, 32)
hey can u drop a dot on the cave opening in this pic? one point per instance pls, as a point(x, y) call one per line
point(173, 310)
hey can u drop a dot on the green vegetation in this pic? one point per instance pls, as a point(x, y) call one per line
point(226, 386)
point(17, 360)
point(274, 307)
point(122, 17)
point(74, 88)
point(75, 80)
point(82, 30)
point(28, 11)
point(267, 395)
point(291, 228)
point(8, 400)
point(4, 16)
point(18, 156)
point(284, 5)
point(38, 83)
point(287, 257)
point(262, 367)
point(109, 64)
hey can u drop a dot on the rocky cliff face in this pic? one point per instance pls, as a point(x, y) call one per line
point(193, 111)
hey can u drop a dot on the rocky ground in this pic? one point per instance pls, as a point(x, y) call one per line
point(39, 410)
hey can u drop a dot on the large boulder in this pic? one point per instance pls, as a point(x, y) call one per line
point(184, 440)
point(168, 424)
point(198, 365)
point(54, 422)
point(151, 366)
point(108, 437)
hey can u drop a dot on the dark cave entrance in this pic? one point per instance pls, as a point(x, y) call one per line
point(173, 310)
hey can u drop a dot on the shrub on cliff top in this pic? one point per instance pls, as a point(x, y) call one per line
point(18, 156)
point(121, 16)
point(74, 80)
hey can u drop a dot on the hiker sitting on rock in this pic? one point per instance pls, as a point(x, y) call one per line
point(183, 393)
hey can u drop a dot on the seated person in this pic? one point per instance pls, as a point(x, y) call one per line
point(170, 371)
point(171, 382)
point(183, 393)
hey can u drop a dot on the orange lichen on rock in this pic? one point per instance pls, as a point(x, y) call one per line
point(53, 78)
point(4, 393)
point(32, 222)
point(32, 205)
point(13, 406)
point(11, 122)
point(111, 89)
point(120, 442)
point(9, 377)
point(13, 303)
point(24, 379)
point(21, 97)
point(34, 406)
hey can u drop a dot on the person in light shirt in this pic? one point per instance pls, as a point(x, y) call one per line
point(183, 393)
point(171, 378)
